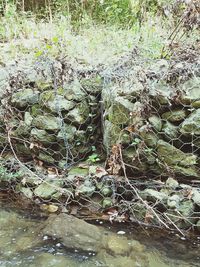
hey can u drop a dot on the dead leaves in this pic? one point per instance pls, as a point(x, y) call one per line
point(114, 162)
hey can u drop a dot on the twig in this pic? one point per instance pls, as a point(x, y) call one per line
point(137, 194)
point(177, 228)
point(31, 172)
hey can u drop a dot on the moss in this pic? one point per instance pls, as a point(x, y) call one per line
point(47, 95)
point(35, 110)
point(42, 85)
point(92, 85)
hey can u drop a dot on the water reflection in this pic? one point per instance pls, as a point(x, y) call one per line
point(19, 247)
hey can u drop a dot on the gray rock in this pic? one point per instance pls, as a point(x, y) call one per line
point(170, 130)
point(153, 195)
point(191, 125)
point(47, 122)
point(46, 158)
point(68, 132)
point(87, 188)
point(111, 248)
point(183, 214)
point(55, 103)
point(177, 160)
point(28, 118)
point(186, 208)
point(192, 92)
point(175, 115)
point(42, 136)
point(79, 114)
point(27, 192)
point(160, 92)
point(48, 188)
point(24, 98)
point(4, 81)
point(171, 183)
point(60, 104)
point(196, 196)
point(74, 91)
point(173, 201)
point(156, 122)
point(73, 233)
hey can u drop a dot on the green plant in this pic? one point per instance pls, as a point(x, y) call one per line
point(7, 176)
point(93, 158)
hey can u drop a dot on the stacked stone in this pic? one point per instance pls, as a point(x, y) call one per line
point(154, 117)
point(48, 118)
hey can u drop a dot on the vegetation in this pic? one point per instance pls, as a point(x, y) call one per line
point(38, 27)
point(94, 43)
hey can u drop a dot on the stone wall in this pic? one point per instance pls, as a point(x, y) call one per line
point(152, 113)
point(47, 113)
point(150, 110)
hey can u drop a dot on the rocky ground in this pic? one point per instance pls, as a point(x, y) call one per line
point(142, 116)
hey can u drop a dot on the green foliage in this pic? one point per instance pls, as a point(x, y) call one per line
point(124, 13)
point(93, 158)
point(6, 175)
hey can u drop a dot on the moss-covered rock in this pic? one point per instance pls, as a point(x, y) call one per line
point(47, 122)
point(198, 225)
point(191, 95)
point(74, 91)
point(67, 133)
point(55, 103)
point(92, 85)
point(148, 136)
point(24, 98)
point(156, 122)
point(111, 135)
point(46, 158)
point(87, 188)
point(121, 111)
point(43, 85)
point(79, 115)
point(47, 188)
point(36, 110)
point(23, 149)
point(177, 160)
point(191, 125)
point(170, 131)
point(28, 118)
point(175, 115)
point(23, 130)
point(154, 195)
point(42, 136)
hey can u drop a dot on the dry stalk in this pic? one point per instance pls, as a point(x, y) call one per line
point(148, 207)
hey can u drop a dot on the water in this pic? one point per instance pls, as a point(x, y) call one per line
point(19, 245)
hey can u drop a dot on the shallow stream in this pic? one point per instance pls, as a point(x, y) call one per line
point(17, 227)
